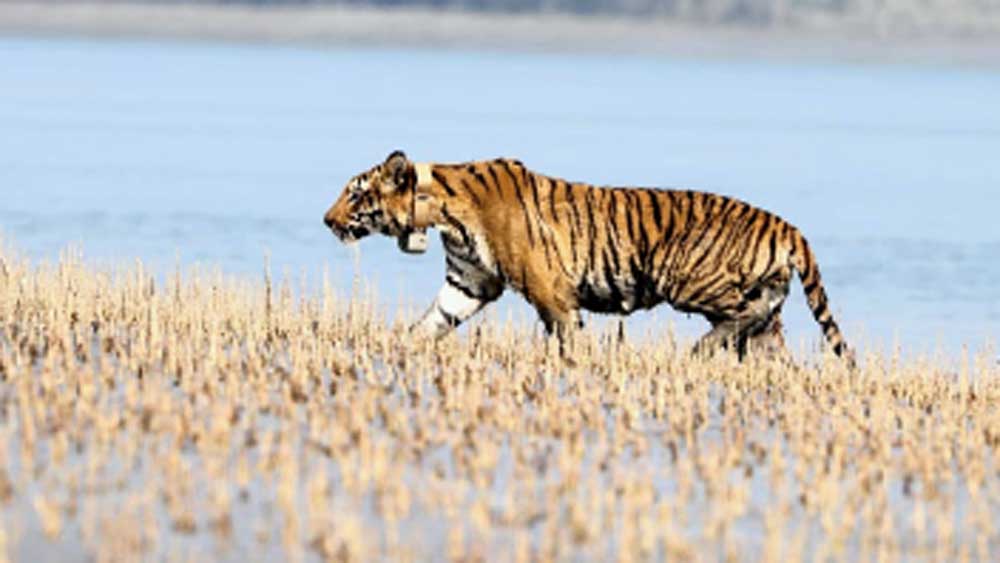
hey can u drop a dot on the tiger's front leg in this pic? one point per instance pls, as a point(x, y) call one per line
point(564, 325)
point(453, 305)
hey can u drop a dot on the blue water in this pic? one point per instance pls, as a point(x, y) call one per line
point(218, 154)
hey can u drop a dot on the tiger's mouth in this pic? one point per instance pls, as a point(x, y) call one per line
point(350, 233)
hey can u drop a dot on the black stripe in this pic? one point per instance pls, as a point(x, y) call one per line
point(475, 197)
point(591, 226)
point(573, 245)
point(675, 292)
point(734, 232)
point(609, 279)
point(656, 269)
point(545, 246)
point(728, 205)
point(665, 240)
point(612, 206)
point(717, 244)
point(822, 310)
point(637, 275)
point(772, 249)
point(804, 252)
point(534, 193)
point(699, 292)
point(507, 170)
point(465, 290)
point(685, 214)
point(612, 245)
point(552, 186)
point(482, 180)
point(635, 214)
point(559, 258)
point(461, 266)
point(464, 257)
point(572, 203)
point(496, 180)
point(612, 231)
point(450, 264)
point(552, 198)
point(474, 169)
point(692, 262)
point(690, 210)
point(454, 222)
point(524, 211)
point(756, 238)
point(665, 261)
point(671, 227)
point(654, 204)
point(630, 208)
point(575, 228)
point(459, 249)
point(440, 179)
point(452, 320)
point(723, 290)
point(518, 184)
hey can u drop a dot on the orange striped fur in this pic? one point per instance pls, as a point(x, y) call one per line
point(568, 246)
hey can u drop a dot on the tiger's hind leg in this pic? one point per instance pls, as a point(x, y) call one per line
point(769, 341)
point(763, 335)
point(753, 324)
point(723, 336)
point(743, 336)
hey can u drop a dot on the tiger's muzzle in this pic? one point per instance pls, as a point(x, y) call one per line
point(346, 233)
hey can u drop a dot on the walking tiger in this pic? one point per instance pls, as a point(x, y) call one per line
point(567, 246)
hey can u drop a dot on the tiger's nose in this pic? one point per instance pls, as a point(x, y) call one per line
point(328, 220)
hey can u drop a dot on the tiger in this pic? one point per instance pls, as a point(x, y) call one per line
point(566, 246)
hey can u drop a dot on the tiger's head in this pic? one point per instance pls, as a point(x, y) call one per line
point(377, 200)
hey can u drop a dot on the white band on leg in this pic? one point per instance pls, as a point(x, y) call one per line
point(449, 309)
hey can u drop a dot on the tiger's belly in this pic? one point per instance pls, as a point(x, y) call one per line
point(616, 294)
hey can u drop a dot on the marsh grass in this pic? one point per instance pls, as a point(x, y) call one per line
point(197, 416)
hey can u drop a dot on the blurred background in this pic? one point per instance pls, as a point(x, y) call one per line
point(215, 133)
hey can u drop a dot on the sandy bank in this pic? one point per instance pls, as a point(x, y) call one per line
point(339, 27)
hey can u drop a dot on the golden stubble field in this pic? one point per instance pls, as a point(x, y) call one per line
point(194, 416)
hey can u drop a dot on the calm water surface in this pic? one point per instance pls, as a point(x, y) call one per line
point(218, 154)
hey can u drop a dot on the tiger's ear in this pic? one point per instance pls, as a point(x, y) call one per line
point(396, 167)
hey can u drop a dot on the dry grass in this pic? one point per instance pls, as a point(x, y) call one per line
point(204, 417)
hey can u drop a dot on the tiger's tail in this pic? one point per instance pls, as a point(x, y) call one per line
point(804, 262)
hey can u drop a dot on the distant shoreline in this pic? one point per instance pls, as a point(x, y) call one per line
point(551, 33)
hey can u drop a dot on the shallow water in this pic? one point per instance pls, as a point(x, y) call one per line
point(220, 154)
